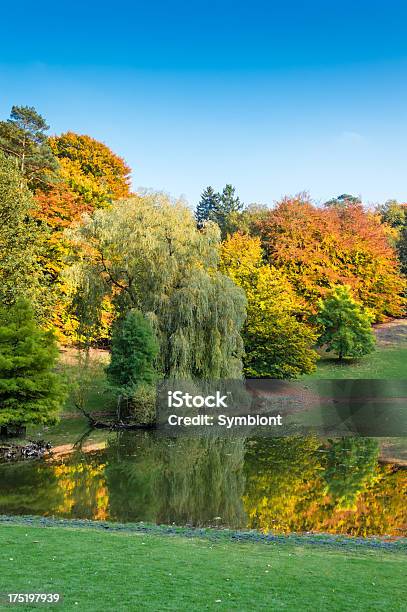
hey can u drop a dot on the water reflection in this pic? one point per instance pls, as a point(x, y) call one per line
point(194, 481)
point(281, 485)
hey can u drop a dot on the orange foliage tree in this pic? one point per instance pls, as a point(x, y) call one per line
point(321, 247)
point(91, 169)
point(91, 176)
point(58, 208)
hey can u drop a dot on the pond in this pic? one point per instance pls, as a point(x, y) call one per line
point(278, 485)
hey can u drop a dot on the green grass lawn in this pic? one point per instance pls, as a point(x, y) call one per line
point(389, 359)
point(384, 363)
point(116, 571)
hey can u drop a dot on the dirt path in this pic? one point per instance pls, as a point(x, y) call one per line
point(391, 333)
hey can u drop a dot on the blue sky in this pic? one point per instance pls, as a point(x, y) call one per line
point(275, 98)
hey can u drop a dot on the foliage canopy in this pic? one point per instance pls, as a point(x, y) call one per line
point(21, 241)
point(319, 248)
point(277, 345)
point(146, 253)
point(91, 169)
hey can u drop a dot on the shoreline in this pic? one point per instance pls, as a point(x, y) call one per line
point(382, 543)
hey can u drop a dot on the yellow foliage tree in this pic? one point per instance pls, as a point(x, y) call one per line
point(277, 344)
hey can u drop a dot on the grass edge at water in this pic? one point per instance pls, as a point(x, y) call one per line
point(210, 533)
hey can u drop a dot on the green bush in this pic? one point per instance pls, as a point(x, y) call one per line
point(143, 405)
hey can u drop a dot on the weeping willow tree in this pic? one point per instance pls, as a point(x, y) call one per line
point(146, 253)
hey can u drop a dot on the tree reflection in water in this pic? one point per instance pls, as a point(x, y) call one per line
point(282, 485)
point(186, 481)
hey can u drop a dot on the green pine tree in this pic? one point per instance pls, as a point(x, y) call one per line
point(345, 325)
point(224, 213)
point(208, 203)
point(343, 201)
point(23, 136)
point(134, 349)
point(30, 390)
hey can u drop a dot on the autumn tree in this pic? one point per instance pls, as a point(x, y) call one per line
point(90, 176)
point(318, 248)
point(277, 345)
point(249, 219)
point(368, 263)
point(91, 169)
point(58, 208)
point(30, 390)
point(146, 253)
point(345, 325)
point(23, 137)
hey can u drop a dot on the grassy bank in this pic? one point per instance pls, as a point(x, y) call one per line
point(384, 363)
point(141, 571)
point(387, 361)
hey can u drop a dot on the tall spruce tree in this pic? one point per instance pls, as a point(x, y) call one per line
point(30, 390)
point(23, 136)
point(208, 203)
point(345, 325)
point(228, 206)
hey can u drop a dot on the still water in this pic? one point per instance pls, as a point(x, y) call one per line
point(278, 485)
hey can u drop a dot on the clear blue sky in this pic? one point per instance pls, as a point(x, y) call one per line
point(274, 97)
